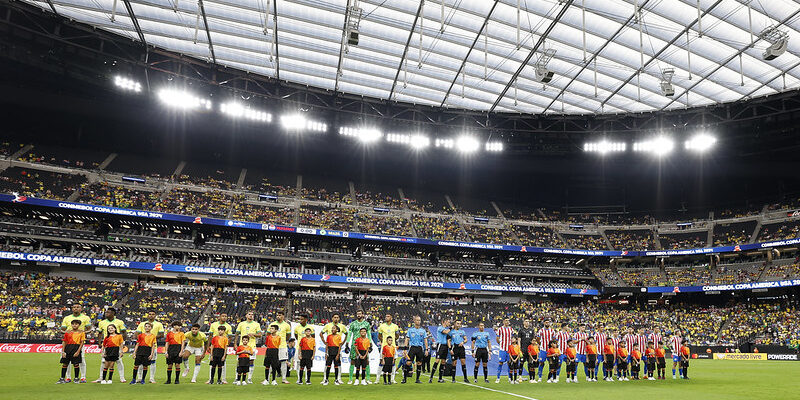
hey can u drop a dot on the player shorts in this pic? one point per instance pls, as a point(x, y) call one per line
point(661, 362)
point(174, 354)
point(459, 353)
point(481, 355)
point(622, 365)
point(331, 357)
point(503, 356)
point(562, 359)
point(112, 354)
point(415, 354)
point(591, 360)
point(244, 362)
point(685, 364)
point(71, 359)
point(676, 358)
point(442, 351)
point(307, 362)
point(581, 358)
point(283, 354)
point(195, 351)
point(142, 360)
point(388, 364)
point(542, 355)
point(608, 363)
point(217, 362)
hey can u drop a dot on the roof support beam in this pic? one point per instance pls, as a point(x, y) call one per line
point(53, 7)
point(275, 39)
point(535, 48)
point(729, 59)
point(464, 61)
point(663, 49)
point(135, 22)
point(342, 46)
point(594, 55)
point(208, 32)
point(405, 49)
point(768, 81)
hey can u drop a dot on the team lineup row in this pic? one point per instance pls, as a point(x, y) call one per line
point(619, 356)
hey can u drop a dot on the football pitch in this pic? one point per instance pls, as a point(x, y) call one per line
point(33, 376)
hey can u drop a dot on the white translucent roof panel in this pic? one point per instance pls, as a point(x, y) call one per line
point(609, 57)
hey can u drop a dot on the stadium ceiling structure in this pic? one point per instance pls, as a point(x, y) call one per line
point(508, 56)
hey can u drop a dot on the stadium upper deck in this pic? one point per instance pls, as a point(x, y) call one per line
point(284, 199)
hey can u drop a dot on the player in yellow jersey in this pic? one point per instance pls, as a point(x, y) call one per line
point(102, 328)
point(213, 330)
point(252, 329)
point(85, 326)
point(387, 329)
point(195, 346)
point(285, 332)
point(158, 331)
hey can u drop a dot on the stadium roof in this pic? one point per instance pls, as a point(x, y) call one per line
point(465, 54)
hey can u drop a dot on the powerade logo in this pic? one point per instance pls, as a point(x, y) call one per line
point(783, 357)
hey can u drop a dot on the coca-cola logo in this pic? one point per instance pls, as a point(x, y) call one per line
point(15, 348)
point(42, 348)
point(48, 348)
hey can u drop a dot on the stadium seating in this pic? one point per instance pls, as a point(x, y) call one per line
point(37, 183)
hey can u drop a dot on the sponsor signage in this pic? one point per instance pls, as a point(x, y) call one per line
point(483, 220)
point(233, 272)
point(719, 288)
point(65, 205)
point(267, 197)
point(782, 357)
point(741, 356)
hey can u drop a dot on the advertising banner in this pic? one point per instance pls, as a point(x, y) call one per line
point(741, 356)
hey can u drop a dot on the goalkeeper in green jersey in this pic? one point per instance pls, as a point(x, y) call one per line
point(352, 333)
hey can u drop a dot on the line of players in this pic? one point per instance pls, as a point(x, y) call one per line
point(448, 348)
point(623, 357)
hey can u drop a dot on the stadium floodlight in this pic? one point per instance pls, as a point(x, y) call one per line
point(237, 110)
point(183, 100)
point(364, 135)
point(419, 141)
point(445, 143)
point(659, 146)
point(127, 84)
point(778, 39)
point(666, 82)
point(467, 144)
point(494, 147)
point(415, 141)
point(541, 73)
point(299, 122)
point(700, 143)
point(605, 147)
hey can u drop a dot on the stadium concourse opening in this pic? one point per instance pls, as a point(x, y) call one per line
point(369, 198)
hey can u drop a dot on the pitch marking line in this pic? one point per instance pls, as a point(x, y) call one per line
point(498, 391)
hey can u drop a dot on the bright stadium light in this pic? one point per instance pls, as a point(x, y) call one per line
point(444, 143)
point(364, 135)
point(659, 146)
point(299, 122)
point(415, 141)
point(127, 84)
point(700, 143)
point(467, 144)
point(237, 110)
point(184, 100)
point(605, 147)
point(494, 147)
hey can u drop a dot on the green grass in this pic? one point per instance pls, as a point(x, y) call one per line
point(32, 376)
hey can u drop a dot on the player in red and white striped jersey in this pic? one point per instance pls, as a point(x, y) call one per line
point(630, 339)
point(675, 348)
point(580, 340)
point(545, 336)
point(563, 336)
point(600, 337)
point(615, 339)
point(641, 341)
point(504, 334)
